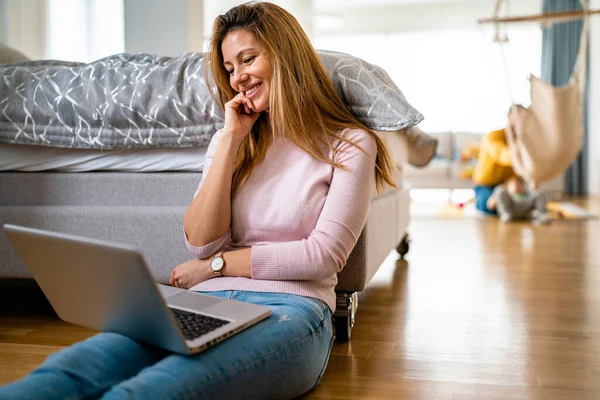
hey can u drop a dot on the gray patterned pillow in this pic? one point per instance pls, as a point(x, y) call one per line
point(369, 92)
point(143, 100)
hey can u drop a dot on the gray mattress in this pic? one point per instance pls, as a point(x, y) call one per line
point(142, 209)
point(146, 210)
point(98, 188)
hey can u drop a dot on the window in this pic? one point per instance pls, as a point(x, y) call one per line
point(94, 29)
point(455, 78)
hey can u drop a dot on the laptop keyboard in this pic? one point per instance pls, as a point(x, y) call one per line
point(194, 325)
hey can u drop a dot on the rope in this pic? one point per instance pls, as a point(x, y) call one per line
point(580, 66)
point(507, 74)
point(502, 40)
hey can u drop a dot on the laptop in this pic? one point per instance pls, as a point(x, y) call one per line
point(108, 287)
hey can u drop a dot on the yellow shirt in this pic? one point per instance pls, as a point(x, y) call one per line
point(494, 165)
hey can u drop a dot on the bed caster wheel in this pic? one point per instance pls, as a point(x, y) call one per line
point(403, 247)
point(343, 318)
point(343, 329)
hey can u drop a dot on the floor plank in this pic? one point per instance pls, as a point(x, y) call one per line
point(478, 310)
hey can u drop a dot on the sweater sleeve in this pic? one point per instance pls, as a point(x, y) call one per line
point(210, 248)
point(344, 214)
point(219, 243)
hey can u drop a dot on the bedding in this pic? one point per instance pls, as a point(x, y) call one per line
point(405, 146)
point(143, 100)
point(41, 158)
point(28, 158)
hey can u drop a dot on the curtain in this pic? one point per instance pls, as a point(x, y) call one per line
point(560, 44)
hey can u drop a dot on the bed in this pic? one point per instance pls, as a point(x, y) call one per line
point(138, 195)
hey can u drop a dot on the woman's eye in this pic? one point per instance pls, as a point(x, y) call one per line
point(249, 59)
point(230, 72)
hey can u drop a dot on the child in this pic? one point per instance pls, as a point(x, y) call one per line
point(513, 200)
point(494, 163)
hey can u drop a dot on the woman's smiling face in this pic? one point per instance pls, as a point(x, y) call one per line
point(249, 67)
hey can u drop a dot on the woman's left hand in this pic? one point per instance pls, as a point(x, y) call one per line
point(190, 273)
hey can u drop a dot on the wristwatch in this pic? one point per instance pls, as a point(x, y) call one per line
point(217, 264)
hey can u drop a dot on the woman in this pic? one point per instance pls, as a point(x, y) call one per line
point(284, 196)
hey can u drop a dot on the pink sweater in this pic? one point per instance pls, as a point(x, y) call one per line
point(301, 217)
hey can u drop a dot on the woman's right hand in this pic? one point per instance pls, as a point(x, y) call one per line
point(239, 116)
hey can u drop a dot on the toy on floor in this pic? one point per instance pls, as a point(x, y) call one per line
point(468, 157)
point(465, 203)
point(570, 211)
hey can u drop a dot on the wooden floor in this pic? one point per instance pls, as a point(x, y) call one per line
point(479, 310)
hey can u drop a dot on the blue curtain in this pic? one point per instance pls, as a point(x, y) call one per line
point(559, 51)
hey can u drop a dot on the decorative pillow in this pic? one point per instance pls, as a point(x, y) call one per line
point(421, 146)
point(143, 100)
point(9, 55)
point(369, 92)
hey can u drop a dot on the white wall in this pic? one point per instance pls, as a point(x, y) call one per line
point(3, 20)
point(164, 27)
point(594, 104)
point(173, 27)
point(302, 10)
point(156, 26)
point(195, 25)
point(24, 26)
point(212, 9)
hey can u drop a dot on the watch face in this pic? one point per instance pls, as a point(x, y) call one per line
point(216, 264)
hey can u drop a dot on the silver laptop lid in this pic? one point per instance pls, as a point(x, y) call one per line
point(97, 284)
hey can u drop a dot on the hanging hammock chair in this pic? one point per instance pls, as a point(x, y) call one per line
point(548, 136)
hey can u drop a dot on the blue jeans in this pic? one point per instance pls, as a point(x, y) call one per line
point(282, 357)
point(482, 194)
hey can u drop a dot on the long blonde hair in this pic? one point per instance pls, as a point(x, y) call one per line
point(303, 102)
